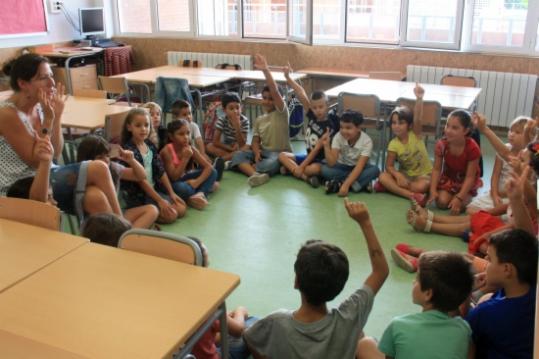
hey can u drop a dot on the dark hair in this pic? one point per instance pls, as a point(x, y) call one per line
point(175, 125)
point(353, 117)
point(321, 271)
point(403, 114)
point(319, 95)
point(104, 228)
point(24, 68)
point(178, 105)
point(518, 248)
point(266, 89)
point(533, 147)
point(229, 97)
point(134, 112)
point(448, 275)
point(91, 147)
point(465, 119)
point(21, 188)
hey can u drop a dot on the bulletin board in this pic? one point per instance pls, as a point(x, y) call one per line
point(23, 18)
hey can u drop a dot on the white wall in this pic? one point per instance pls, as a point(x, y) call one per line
point(59, 29)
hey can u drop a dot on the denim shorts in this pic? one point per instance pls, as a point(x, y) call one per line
point(69, 186)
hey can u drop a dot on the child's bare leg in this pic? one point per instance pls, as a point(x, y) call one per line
point(420, 185)
point(218, 152)
point(247, 169)
point(180, 208)
point(95, 201)
point(314, 169)
point(389, 182)
point(142, 216)
point(443, 200)
point(419, 223)
point(99, 175)
point(367, 348)
point(441, 218)
point(288, 160)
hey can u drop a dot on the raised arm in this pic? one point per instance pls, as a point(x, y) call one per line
point(480, 121)
point(261, 64)
point(380, 270)
point(515, 191)
point(418, 110)
point(39, 191)
point(298, 90)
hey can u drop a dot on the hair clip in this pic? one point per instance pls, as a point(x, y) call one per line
point(535, 148)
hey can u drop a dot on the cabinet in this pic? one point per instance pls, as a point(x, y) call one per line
point(82, 77)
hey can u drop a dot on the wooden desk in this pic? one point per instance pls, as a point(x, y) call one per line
point(89, 113)
point(450, 97)
point(25, 249)
point(104, 302)
point(329, 72)
point(14, 346)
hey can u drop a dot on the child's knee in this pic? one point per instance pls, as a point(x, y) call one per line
point(420, 186)
point(181, 210)
point(385, 177)
point(442, 202)
point(168, 217)
point(95, 201)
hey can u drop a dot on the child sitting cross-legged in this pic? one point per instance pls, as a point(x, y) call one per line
point(313, 331)
point(444, 280)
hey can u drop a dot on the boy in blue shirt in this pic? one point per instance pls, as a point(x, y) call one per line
point(503, 326)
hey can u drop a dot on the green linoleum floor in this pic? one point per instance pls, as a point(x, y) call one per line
point(256, 234)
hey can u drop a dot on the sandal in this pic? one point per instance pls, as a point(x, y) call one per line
point(404, 261)
point(408, 249)
point(412, 219)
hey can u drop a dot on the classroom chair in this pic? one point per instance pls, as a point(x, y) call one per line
point(170, 89)
point(30, 212)
point(387, 75)
point(119, 89)
point(113, 127)
point(461, 81)
point(370, 108)
point(432, 117)
point(93, 93)
point(183, 249)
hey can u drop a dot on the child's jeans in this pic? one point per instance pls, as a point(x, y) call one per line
point(268, 164)
point(339, 172)
point(236, 346)
point(185, 190)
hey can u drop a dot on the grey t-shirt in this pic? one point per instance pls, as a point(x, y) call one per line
point(279, 335)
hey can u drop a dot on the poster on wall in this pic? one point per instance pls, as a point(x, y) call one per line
point(22, 18)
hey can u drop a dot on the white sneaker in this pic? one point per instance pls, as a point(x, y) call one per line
point(258, 179)
point(228, 165)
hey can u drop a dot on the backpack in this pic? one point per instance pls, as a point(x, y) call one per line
point(295, 119)
point(213, 112)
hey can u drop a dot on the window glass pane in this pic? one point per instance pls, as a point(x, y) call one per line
point(373, 20)
point(135, 16)
point(326, 19)
point(173, 15)
point(264, 18)
point(499, 22)
point(217, 17)
point(430, 20)
point(298, 18)
point(537, 39)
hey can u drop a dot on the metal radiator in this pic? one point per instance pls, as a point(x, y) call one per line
point(209, 59)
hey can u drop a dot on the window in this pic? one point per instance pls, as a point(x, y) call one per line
point(373, 21)
point(433, 23)
point(264, 18)
point(135, 16)
point(499, 23)
point(298, 18)
point(173, 15)
point(327, 24)
point(217, 17)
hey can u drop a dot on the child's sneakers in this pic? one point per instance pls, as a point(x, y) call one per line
point(314, 181)
point(333, 186)
point(228, 165)
point(219, 165)
point(404, 261)
point(408, 249)
point(379, 187)
point(283, 170)
point(258, 179)
point(197, 201)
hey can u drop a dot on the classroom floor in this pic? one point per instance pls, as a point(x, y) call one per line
point(256, 233)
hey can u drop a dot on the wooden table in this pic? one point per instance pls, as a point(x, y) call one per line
point(329, 72)
point(450, 97)
point(25, 249)
point(89, 113)
point(14, 346)
point(104, 302)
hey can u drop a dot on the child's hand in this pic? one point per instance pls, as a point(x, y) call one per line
point(258, 157)
point(235, 120)
point(187, 152)
point(480, 280)
point(325, 137)
point(419, 91)
point(287, 69)
point(343, 191)
point(177, 200)
point(357, 210)
point(298, 171)
point(402, 181)
point(479, 121)
point(455, 206)
point(514, 186)
point(165, 208)
point(433, 196)
point(43, 149)
point(126, 155)
point(260, 62)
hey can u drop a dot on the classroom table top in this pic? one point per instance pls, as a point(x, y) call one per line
point(104, 302)
point(70, 51)
point(449, 97)
point(89, 113)
point(25, 249)
point(332, 72)
point(202, 76)
point(18, 347)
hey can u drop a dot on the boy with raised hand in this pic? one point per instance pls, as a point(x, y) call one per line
point(270, 134)
point(321, 122)
point(313, 331)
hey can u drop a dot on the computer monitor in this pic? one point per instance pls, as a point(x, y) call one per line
point(92, 21)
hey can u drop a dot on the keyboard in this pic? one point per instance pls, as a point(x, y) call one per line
point(106, 44)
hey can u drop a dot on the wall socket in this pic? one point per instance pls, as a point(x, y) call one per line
point(55, 5)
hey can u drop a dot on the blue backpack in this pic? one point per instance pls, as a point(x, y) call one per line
point(295, 121)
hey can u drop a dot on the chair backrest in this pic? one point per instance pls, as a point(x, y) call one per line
point(30, 212)
point(116, 86)
point(161, 244)
point(386, 75)
point(90, 93)
point(113, 127)
point(432, 112)
point(461, 81)
point(368, 105)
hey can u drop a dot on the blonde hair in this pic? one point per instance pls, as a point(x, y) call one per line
point(153, 106)
point(520, 121)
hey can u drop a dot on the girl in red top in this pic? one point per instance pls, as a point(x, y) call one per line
point(456, 176)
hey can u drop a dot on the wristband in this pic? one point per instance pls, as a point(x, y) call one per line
point(457, 197)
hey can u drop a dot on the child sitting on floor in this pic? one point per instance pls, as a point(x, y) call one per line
point(192, 185)
point(158, 134)
point(104, 228)
point(322, 122)
point(321, 272)
point(347, 157)
point(444, 281)
point(412, 179)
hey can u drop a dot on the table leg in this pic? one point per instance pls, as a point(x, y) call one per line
point(224, 332)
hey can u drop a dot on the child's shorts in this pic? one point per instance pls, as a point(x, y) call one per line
point(302, 156)
point(69, 186)
point(480, 223)
point(131, 203)
point(449, 185)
